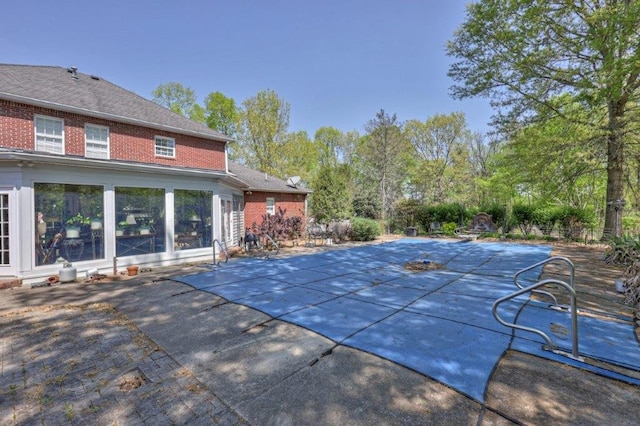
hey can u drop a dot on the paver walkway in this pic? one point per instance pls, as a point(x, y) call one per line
point(88, 364)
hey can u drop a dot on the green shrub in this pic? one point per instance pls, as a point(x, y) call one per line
point(574, 220)
point(523, 217)
point(425, 215)
point(449, 228)
point(442, 213)
point(453, 212)
point(404, 215)
point(545, 218)
point(363, 229)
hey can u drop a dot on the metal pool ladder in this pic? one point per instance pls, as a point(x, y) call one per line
point(534, 289)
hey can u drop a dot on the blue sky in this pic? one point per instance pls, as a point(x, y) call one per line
point(336, 62)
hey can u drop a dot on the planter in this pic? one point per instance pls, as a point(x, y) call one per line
point(132, 270)
point(95, 225)
point(73, 232)
point(119, 232)
point(145, 231)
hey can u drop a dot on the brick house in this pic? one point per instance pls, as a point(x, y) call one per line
point(265, 194)
point(92, 173)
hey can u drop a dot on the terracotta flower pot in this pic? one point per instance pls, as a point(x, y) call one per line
point(132, 270)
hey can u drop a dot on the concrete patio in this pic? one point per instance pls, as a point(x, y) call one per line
point(250, 363)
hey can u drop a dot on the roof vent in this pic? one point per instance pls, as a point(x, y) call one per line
point(266, 176)
point(73, 71)
point(95, 77)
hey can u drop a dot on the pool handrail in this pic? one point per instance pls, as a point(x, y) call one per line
point(272, 242)
point(223, 249)
point(574, 316)
point(544, 262)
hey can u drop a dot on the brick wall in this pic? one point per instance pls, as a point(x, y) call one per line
point(127, 142)
point(255, 205)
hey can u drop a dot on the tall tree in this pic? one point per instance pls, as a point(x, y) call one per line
point(264, 122)
point(179, 99)
point(439, 143)
point(221, 113)
point(383, 150)
point(481, 151)
point(523, 53)
point(297, 156)
point(329, 141)
point(558, 160)
point(331, 199)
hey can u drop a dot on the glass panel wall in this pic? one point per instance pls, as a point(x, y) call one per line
point(193, 212)
point(68, 222)
point(140, 221)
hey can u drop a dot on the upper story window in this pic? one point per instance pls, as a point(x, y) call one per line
point(271, 206)
point(96, 141)
point(165, 147)
point(49, 134)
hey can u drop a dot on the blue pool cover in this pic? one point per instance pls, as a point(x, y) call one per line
point(438, 323)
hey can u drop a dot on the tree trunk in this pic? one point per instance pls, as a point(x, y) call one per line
point(615, 174)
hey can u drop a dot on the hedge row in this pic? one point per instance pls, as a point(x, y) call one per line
point(524, 217)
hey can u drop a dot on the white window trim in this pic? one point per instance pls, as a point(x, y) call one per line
point(36, 134)
point(163, 139)
point(86, 141)
point(271, 210)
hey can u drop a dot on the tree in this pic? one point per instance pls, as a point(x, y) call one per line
point(382, 151)
point(329, 141)
point(264, 122)
point(564, 163)
point(438, 143)
point(481, 152)
point(524, 53)
point(179, 99)
point(330, 199)
point(221, 113)
point(297, 156)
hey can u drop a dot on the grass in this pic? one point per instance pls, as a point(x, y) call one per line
point(69, 412)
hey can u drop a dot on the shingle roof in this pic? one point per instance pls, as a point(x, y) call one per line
point(56, 88)
point(258, 181)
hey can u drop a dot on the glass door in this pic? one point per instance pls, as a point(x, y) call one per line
point(5, 238)
point(225, 222)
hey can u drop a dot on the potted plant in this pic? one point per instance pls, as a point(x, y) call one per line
point(144, 229)
point(120, 228)
point(74, 223)
point(96, 222)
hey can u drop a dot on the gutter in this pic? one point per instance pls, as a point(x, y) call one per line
point(31, 159)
